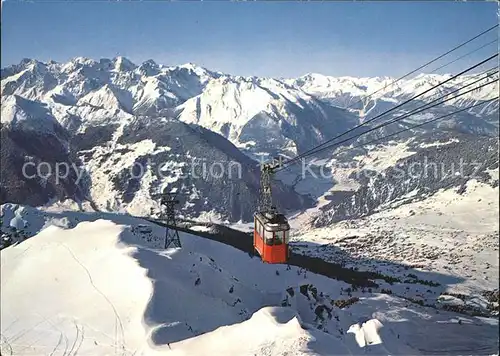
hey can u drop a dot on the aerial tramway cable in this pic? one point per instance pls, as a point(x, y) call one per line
point(399, 118)
point(313, 150)
point(464, 55)
point(270, 233)
point(430, 62)
point(417, 125)
point(406, 75)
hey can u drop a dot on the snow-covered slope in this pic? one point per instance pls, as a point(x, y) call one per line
point(449, 233)
point(264, 115)
point(25, 115)
point(415, 175)
point(30, 135)
point(98, 285)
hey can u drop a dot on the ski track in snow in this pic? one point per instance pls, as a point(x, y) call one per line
point(119, 338)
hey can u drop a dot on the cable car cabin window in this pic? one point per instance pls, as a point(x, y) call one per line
point(268, 236)
point(278, 238)
point(287, 236)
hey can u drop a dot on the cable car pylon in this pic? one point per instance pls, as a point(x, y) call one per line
point(171, 234)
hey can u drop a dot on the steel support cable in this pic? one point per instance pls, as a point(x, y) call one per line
point(399, 118)
point(465, 55)
point(417, 125)
point(430, 105)
point(425, 65)
point(312, 150)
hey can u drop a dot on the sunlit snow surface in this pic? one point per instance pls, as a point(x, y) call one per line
point(95, 287)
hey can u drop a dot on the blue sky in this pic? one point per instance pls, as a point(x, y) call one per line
point(280, 39)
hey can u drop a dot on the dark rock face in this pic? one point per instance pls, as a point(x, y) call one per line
point(20, 147)
point(418, 176)
point(228, 181)
point(225, 180)
point(93, 136)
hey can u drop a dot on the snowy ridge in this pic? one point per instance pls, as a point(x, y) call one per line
point(26, 115)
point(350, 91)
point(263, 112)
point(104, 84)
point(332, 87)
point(107, 98)
point(30, 136)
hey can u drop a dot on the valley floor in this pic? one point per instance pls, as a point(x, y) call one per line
point(448, 238)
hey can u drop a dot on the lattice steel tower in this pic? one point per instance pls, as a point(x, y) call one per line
point(171, 234)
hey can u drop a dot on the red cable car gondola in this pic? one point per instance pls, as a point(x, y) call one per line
point(271, 236)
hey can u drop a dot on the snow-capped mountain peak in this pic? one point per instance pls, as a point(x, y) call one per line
point(345, 91)
point(22, 114)
point(149, 68)
point(77, 63)
point(123, 64)
point(108, 98)
point(193, 67)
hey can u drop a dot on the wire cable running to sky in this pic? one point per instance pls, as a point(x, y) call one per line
point(429, 104)
point(424, 65)
point(402, 117)
point(406, 75)
point(465, 55)
point(417, 125)
point(391, 110)
point(478, 77)
point(399, 118)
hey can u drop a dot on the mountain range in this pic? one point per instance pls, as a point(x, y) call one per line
point(108, 115)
